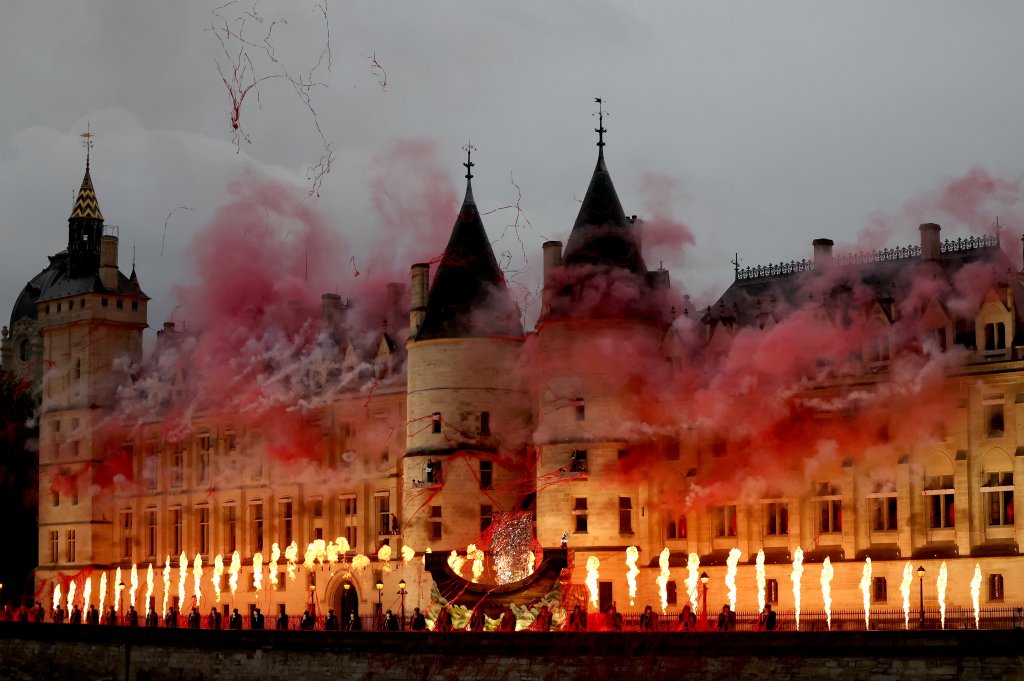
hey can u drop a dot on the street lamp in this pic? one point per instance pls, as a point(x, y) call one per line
point(380, 602)
point(402, 592)
point(704, 579)
point(312, 599)
point(920, 577)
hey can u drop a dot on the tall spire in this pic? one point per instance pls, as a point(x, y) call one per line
point(86, 206)
point(600, 129)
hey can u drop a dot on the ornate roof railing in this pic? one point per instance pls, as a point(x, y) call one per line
point(782, 269)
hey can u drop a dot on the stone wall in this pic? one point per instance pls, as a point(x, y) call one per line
point(30, 651)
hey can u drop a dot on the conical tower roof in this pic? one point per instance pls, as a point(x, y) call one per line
point(602, 235)
point(469, 296)
point(87, 207)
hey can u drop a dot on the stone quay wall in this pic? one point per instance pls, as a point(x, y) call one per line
point(100, 653)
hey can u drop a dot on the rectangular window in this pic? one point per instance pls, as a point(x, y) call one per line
point(998, 498)
point(485, 423)
point(578, 462)
point(349, 520)
point(486, 474)
point(203, 521)
point(55, 499)
point(125, 523)
point(878, 590)
point(579, 512)
point(486, 516)
point(939, 495)
point(995, 587)
point(625, 515)
point(150, 465)
point(725, 521)
point(435, 422)
point(203, 458)
point(382, 500)
point(177, 464)
point(675, 528)
point(230, 441)
point(150, 520)
point(771, 591)
point(71, 546)
point(885, 513)
point(287, 522)
point(830, 508)
point(581, 409)
point(436, 529)
point(994, 424)
point(176, 538)
point(54, 543)
point(671, 594)
point(231, 529)
point(995, 336)
point(256, 526)
point(776, 519)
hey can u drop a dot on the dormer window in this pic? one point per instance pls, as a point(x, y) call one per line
point(995, 336)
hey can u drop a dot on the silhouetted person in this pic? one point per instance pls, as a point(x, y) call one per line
point(390, 622)
point(92, 615)
point(766, 620)
point(726, 619)
point(235, 621)
point(331, 623)
point(152, 620)
point(111, 617)
point(282, 619)
point(58, 615)
point(419, 622)
point(614, 618)
point(476, 619)
point(647, 619)
point(258, 620)
point(212, 621)
point(307, 623)
point(577, 619)
point(24, 613)
point(444, 620)
point(687, 620)
point(194, 618)
point(171, 618)
point(508, 620)
point(354, 623)
point(40, 614)
point(543, 621)
point(76, 615)
point(133, 617)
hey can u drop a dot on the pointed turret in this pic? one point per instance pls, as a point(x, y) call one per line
point(86, 207)
point(85, 229)
point(469, 296)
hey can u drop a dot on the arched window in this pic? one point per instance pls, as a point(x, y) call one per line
point(939, 491)
point(997, 489)
point(25, 350)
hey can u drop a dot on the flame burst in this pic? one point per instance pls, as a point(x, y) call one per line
point(730, 575)
point(117, 590)
point(798, 573)
point(477, 556)
point(761, 580)
point(692, 577)
point(662, 579)
point(632, 555)
point(149, 587)
point(182, 577)
point(218, 570)
point(593, 563)
point(257, 573)
point(291, 554)
point(167, 584)
point(197, 578)
point(976, 595)
point(86, 593)
point(275, 555)
point(360, 562)
point(384, 556)
point(71, 594)
point(56, 595)
point(233, 570)
point(827, 573)
point(103, 591)
point(940, 588)
point(456, 562)
point(865, 589)
point(135, 585)
point(908, 579)
point(408, 553)
point(531, 563)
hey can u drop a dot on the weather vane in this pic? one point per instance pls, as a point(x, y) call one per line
point(600, 129)
point(87, 140)
point(469, 148)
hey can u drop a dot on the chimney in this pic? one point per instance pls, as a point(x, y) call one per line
point(419, 276)
point(108, 261)
point(930, 248)
point(822, 253)
point(552, 257)
point(330, 308)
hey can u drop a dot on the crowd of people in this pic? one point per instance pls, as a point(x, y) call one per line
point(578, 620)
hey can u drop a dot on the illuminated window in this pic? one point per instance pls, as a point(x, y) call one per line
point(940, 495)
point(256, 526)
point(830, 508)
point(879, 592)
point(997, 495)
point(995, 587)
point(382, 500)
point(725, 520)
point(776, 519)
point(150, 521)
point(885, 513)
point(771, 591)
point(125, 523)
point(231, 529)
point(203, 522)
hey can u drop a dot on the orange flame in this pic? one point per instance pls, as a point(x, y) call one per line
point(531, 563)
point(257, 573)
point(275, 555)
point(103, 591)
point(632, 571)
point(56, 595)
point(71, 594)
point(692, 577)
point(798, 573)
point(456, 562)
point(663, 578)
point(593, 563)
point(197, 578)
point(908, 579)
point(87, 593)
point(976, 595)
point(827, 573)
point(759, 575)
point(149, 587)
point(167, 584)
point(218, 570)
point(384, 556)
point(182, 576)
point(360, 562)
point(117, 590)
point(291, 554)
point(477, 556)
point(135, 585)
point(730, 575)
point(940, 587)
point(865, 589)
point(233, 570)
point(408, 553)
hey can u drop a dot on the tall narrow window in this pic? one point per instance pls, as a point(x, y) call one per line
point(436, 525)
point(578, 461)
point(776, 519)
point(879, 591)
point(54, 543)
point(995, 587)
point(256, 525)
point(994, 422)
point(625, 515)
point(579, 513)
point(939, 494)
point(435, 422)
point(725, 521)
point(150, 519)
point(581, 409)
point(830, 508)
point(203, 521)
point(886, 518)
point(203, 458)
point(997, 494)
point(71, 546)
point(671, 592)
point(771, 591)
point(486, 516)
point(125, 523)
point(287, 522)
point(176, 538)
point(150, 465)
point(177, 463)
point(485, 423)
point(486, 474)
point(383, 512)
point(231, 529)
point(349, 520)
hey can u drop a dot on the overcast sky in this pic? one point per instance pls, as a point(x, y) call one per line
point(775, 122)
